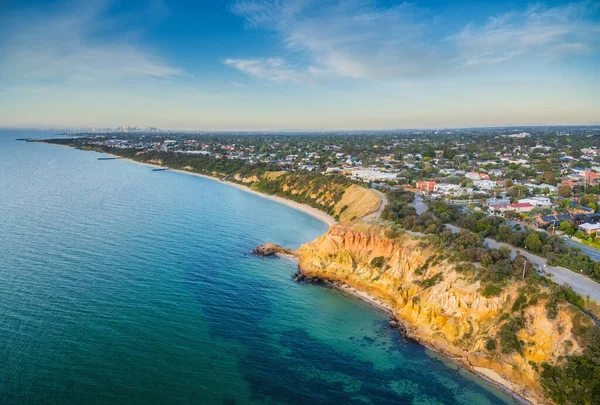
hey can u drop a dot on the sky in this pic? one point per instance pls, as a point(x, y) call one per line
point(298, 64)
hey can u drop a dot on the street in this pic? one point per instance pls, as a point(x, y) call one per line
point(580, 283)
point(590, 251)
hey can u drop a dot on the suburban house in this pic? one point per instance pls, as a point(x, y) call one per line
point(538, 202)
point(485, 184)
point(496, 209)
point(372, 175)
point(549, 220)
point(452, 189)
point(428, 186)
point(589, 229)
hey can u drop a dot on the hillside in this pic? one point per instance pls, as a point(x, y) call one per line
point(522, 335)
point(334, 194)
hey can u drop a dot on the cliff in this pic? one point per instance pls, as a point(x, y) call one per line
point(442, 308)
point(334, 195)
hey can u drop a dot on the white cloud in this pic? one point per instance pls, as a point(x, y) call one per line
point(271, 69)
point(359, 39)
point(539, 31)
point(77, 44)
point(352, 38)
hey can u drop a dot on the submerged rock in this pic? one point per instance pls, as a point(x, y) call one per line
point(301, 278)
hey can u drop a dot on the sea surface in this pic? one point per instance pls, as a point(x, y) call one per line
point(123, 285)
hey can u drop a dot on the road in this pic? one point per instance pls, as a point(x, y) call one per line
point(594, 254)
point(561, 275)
point(590, 251)
point(376, 216)
point(580, 283)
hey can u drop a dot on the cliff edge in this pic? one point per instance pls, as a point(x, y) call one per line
point(444, 308)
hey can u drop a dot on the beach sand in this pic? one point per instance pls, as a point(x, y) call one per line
point(307, 209)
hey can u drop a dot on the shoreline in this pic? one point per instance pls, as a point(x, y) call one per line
point(486, 375)
point(307, 209)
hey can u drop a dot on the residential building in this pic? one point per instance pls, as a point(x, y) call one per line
point(485, 184)
point(538, 202)
point(589, 229)
point(427, 186)
point(496, 209)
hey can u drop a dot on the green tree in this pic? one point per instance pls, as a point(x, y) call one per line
point(564, 190)
point(566, 227)
point(533, 242)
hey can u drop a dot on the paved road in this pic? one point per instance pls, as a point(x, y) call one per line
point(376, 216)
point(580, 283)
point(590, 251)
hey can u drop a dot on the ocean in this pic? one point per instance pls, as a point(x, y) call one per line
point(123, 285)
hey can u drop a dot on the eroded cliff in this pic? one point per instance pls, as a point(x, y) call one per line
point(444, 309)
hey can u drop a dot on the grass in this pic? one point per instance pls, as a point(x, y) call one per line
point(591, 244)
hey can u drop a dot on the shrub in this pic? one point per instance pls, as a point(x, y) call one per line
point(490, 345)
point(378, 261)
point(508, 336)
point(520, 302)
point(577, 379)
point(431, 281)
point(491, 290)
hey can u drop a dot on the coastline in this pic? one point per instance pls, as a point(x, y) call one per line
point(307, 209)
point(487, 375)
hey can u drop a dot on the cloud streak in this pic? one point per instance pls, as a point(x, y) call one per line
point(352, 39)
point(271, 69)
point(75, 45)
point(360, 40)
point(539, 31)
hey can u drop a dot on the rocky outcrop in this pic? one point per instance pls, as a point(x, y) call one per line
point(270, 249)
point(439, 306)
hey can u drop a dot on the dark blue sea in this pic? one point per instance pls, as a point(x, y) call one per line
point(120, 285)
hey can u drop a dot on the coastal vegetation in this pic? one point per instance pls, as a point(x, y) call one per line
point(526, 328)
point(340, 197)
point(478, 305)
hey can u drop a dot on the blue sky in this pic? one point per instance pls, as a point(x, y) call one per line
point(298, 64)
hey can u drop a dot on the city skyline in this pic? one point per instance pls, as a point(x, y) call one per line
point(299, 65)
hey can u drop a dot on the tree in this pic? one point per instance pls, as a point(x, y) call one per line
point(533, 242)
point(566, 227)
point(549, 178)
point(565, 204)
point(564, 190)
point(518, 191)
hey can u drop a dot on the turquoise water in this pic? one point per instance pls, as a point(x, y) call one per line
point(123, 285)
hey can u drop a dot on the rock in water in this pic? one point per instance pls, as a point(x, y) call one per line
point(269, 249)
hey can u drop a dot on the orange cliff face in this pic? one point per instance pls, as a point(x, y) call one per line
point(439, 306)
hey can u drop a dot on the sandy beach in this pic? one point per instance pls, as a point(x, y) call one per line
point(486, 374)
point(307, 209)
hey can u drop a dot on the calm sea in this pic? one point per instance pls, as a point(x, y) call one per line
point(123, 285)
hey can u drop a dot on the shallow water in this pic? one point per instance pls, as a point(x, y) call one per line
point(123, 285)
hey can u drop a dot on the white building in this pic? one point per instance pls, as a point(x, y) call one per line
point(372, 175)
point(590, 228)
point(485, 184)
point(448, 189)
point(532, 187)
point(539, 202)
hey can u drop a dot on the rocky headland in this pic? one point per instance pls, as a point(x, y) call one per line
point(504, 338)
